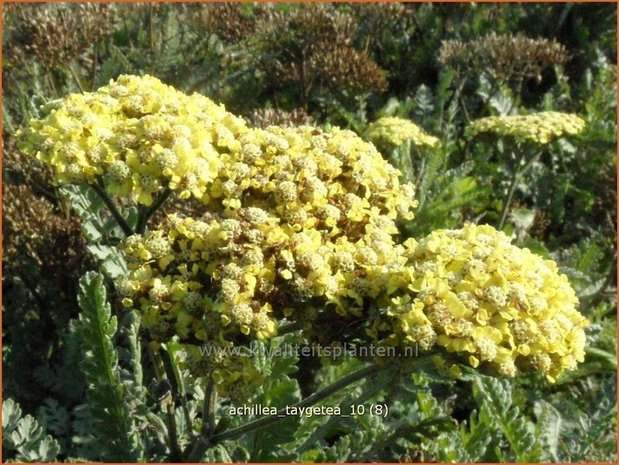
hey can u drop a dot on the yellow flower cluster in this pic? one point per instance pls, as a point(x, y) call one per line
point(300, 221)
point(138, 136)
point(191, 280)
point(311, 179)
point(301, 228)
point(476, 295)
point(538, 128)
point(391, 132)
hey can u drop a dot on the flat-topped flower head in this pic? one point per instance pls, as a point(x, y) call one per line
point(300, 221)
point(311, 178)
point(537, 128)
point(138, 136)
point(300, 212)
point(492, 303)
point(391, 132)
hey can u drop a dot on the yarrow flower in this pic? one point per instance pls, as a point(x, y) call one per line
point(392, 132)
point(538, 128)
point(491, 303)
point(137, 135)
point(301, 225)
point(300, 220)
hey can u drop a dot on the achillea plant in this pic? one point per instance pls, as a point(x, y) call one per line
point(300, 231)
point(392, 132)
point(320, 212)
point(526, 135)
point(536, 128)
point(135, 136)
point(493, 303)
point(378, 18)
point(300, 221)
point(311, 48)
point(227, 20)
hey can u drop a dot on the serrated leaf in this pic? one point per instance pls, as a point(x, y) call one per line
point(548, 429)
point(54, 416)
point(281, 393)
point(286, 362)
point(495, 399)
point(423, 104)
point(113, 424)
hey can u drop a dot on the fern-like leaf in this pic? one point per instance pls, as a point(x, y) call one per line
point(23, 438)
point(549, 422)
point(107, 394)
point(495, 398)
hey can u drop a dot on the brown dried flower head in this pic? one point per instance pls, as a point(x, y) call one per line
point(57, 33)
point(311, 46)
point(35, 231)
point(229, 21)
point(265, 117)
point(505, 57)
point(384, 16)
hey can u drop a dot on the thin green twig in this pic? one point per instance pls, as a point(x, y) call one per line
point(310, 400)
point(168, 407)
point(76, 78)
point(176, 380)
point(146, 213)
point(516, 176)
point(208, 424)
point(122, 223)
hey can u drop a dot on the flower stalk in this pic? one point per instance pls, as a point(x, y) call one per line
point(103, 195)
point(517, 175)
point(202, 446)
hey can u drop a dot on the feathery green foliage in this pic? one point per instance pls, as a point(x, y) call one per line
point(24, 437)
point(110, 399)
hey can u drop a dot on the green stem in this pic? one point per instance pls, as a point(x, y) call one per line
point(76, 78)
point(208, 424)
point(210, 406)
point(310, 400)
point(516, 176)
point(93, 76)
point(145, 214)
point(51, 84)
point(204, 443)
point(179, 385)
point(98, 188)
point(151, 35)
point(404, 156)
point(421, 183)
point(510, 195)
point(168, 407)
point(460, 97)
